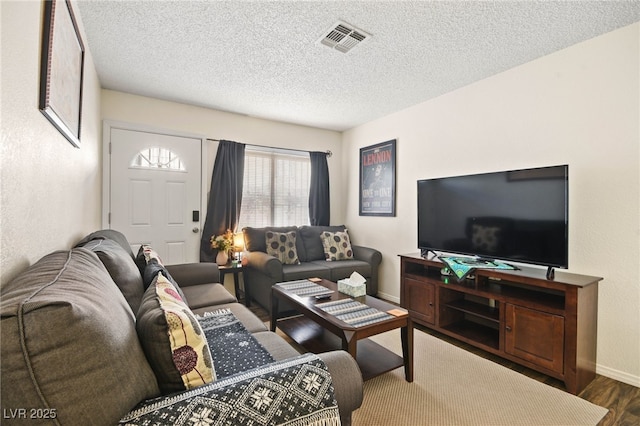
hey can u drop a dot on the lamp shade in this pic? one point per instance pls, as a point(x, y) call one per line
point(238, 241)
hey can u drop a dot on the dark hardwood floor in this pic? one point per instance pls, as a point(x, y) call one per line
point(622, 400)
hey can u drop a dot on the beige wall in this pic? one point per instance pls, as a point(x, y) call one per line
point(50, 191)
point(208, 123)
point(579, 107)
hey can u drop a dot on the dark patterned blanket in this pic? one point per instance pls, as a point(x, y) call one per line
point(294, 392)
point(233, 348)
point(251, 389)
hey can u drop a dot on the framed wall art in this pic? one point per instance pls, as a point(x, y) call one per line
point(61, 69)
point(378, 179)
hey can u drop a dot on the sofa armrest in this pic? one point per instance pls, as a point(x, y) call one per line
point(366, 254)
point(187, 274)
point(347, 382)
point(373, 257)
point(266, 264)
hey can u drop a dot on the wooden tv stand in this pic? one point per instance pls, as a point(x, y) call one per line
point(547, 325)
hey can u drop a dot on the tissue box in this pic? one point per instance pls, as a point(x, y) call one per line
point(353, 290)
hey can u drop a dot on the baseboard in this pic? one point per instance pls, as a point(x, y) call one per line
point(620, 376)
point(388, 297)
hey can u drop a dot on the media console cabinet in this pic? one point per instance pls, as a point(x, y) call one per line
point(547, 325)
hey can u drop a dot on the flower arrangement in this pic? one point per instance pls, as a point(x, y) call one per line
point(222, 242)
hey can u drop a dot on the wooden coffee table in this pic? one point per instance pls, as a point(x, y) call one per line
point(317, 331)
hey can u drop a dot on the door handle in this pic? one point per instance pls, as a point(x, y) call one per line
point(195, 230)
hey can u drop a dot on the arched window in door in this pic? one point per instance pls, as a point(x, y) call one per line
point(157, 158)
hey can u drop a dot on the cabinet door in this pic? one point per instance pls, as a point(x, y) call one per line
point(535, 336)
point(419, 299)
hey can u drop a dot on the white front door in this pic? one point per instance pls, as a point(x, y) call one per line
point(155, 191)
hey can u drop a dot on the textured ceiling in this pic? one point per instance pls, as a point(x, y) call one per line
point(264, 59)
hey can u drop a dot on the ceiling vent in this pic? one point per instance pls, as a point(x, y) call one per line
point(343, 37)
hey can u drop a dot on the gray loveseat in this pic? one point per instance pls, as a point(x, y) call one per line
point(72, 351)
point(261, 270)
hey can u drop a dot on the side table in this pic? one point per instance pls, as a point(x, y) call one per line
point(236, 270)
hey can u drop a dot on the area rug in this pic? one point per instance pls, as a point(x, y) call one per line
point(454, 387)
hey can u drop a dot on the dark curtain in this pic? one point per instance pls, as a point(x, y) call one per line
point(225, 198)
point(319, 206)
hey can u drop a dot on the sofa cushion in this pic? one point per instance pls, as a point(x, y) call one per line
point(188, 274)
point(310, 238)
point(337, 245)
point(69, 342)
point(206, 295)
point(172, 339)
point(344, 268)
point(282, 246)
point(122, 269)
point(255, 239)
point(306, 270)
point(108, 234)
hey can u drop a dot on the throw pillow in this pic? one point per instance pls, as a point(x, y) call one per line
point(151, 271)
point(337, 245)
point(69, 338)
point(172, 339)
point(282, 246)
point(122, 269)
point(108, 234)
point(150, 264)
point(145, 254)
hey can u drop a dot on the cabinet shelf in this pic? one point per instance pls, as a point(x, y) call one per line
point(519, 315)
point(550, 300)
point(476, 334)
point(482, 311)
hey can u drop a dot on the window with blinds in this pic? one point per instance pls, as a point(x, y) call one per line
point(275, 189)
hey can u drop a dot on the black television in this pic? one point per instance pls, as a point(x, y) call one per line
point(514, 215)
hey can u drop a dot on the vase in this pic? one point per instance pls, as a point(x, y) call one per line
point(222, 258)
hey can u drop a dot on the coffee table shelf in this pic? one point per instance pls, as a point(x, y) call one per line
point(372, 358)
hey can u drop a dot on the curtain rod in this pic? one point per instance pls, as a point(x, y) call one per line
point(329, 153)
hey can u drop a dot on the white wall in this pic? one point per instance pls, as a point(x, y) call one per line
point(50, 190)
point(578, 106)
point(214, 124)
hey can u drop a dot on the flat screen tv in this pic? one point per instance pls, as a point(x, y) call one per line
point(515, 215)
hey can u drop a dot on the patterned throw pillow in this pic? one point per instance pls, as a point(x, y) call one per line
point(337, 245)
point(173, 340)
point(150, 264)
point(145, 255)
point(282, 246)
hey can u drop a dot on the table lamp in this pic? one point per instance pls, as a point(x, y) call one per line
point(238, 245)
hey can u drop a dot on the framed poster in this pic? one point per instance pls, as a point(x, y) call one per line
point(61, 69)
point(378, 179)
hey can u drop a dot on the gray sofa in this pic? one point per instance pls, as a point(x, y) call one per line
point(261, 270)
point(73, 353)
